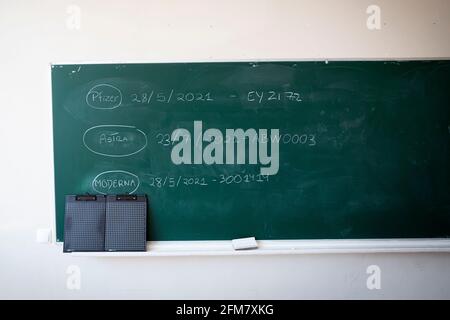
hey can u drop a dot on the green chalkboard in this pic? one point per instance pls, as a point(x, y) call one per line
point(325, 150)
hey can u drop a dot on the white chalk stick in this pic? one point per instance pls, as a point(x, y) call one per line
point(244, 243)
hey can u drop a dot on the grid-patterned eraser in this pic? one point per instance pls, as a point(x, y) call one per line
point(126, 223)
point(84, 223)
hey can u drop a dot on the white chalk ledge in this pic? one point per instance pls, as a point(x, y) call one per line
point(280, 247)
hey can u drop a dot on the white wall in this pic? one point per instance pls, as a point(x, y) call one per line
point(34, 33)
